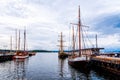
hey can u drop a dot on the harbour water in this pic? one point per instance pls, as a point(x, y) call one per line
point(47, 66)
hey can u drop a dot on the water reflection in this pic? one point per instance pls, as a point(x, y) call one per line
point(61, 67)
point(20, 67)
point(69, 73)
point(91, 75)
point(46, 66)
point(79, 75)
point(99, 73)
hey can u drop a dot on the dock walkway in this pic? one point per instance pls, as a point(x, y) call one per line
point(111, 64)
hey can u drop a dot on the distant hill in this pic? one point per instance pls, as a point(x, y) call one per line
point(6, 50)
point(3, 50)
point(48, 51)
point(40, 51)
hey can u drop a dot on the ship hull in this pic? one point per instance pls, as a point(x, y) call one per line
point(20, 57)
point(62, 55)
point(82, 65)
point(78, 64)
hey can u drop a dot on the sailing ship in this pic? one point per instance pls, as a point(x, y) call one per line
point(81, 60)
point(61, 53)
point(21, 54)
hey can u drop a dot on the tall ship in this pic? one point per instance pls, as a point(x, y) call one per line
point(61, 53)
point(21, 54)
point(80, 57)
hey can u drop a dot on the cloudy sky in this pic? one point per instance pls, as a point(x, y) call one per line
point(45, 19)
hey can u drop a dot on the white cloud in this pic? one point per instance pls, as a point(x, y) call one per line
point(44, 20)
point(110, 41)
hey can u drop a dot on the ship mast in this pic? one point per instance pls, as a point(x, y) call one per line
point(79, 32)
point(24, 40)
point(61, 43)
point(10, 43)
point(16, 47)
point(73, 39)
point(19, 41)
point(96, 41)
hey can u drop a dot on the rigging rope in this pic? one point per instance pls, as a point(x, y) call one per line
point(87, 44)
point(88, 38)
point(83, 39)
point(69, 48)
point(76, 38)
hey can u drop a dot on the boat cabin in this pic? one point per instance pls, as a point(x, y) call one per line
point(91, 51)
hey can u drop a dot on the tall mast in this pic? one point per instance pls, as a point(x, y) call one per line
point(73, 40)
point(24, 39)
point(61, 43)
point(16, 40)
point(19, 41)
point(79, 32)
point(10, 43)
point(96, 41)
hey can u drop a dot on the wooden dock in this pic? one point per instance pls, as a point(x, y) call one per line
point(110, 64)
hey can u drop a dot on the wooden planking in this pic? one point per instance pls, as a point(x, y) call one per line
point(107, 59)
